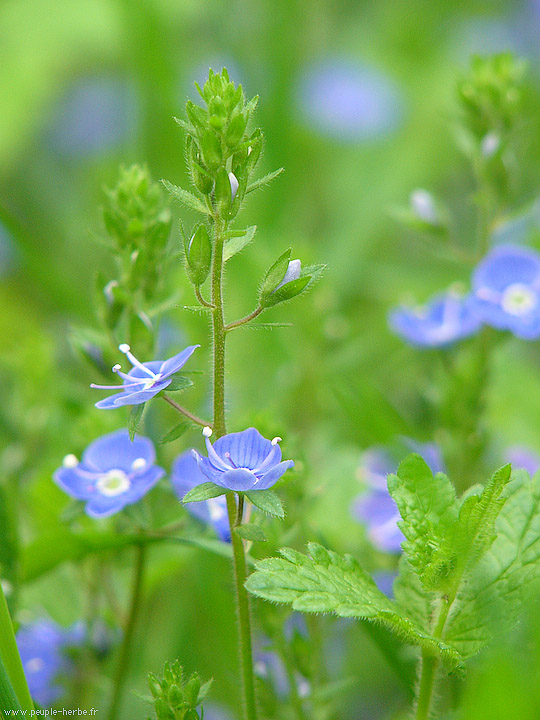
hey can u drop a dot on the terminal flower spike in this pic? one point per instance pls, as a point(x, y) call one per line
point(144, 380)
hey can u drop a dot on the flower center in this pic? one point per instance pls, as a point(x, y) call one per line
point(35, 665)
point(151, 381)
point(115, 482)
point(518, 299)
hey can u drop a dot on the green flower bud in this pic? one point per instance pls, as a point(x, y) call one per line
point(175, 696)
point(211, 149)
point(191, 690)
point(163, 711)
point(198, 254)
point(235, 131)
point(154, 685)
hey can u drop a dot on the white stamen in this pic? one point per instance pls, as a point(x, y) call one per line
point(70, 461)
point(207, 432)
point(138, 464)
point(276, 440)
point(124, 348)
point(116, 368)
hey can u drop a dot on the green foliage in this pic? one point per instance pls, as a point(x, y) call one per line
point(205, 491)
point(198, 254)
point(252, 532)
point(267, 501)
point(327, 582)
point(177, 695)
point(135, 418)
point(237, 243)
point(175, 432)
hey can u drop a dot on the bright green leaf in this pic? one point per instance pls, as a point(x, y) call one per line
point(205, 491)
point(252, 532)
point(267, 501)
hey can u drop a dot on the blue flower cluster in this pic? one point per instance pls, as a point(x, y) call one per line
point(43, 647)
point(376, 508)
point(505, 294)
point(115, 471)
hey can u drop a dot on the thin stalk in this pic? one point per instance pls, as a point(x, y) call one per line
point(129, 630)
point(429, 665)
point(185, 412)
point(235, 511)
point(200, 298)
point(244, 320)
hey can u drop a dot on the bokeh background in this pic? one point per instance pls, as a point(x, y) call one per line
point(358, 104)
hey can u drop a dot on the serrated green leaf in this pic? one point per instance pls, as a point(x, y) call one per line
point(186, 198)
point(265, 180)
point(267, 501)
point(491, 600)
point(236, 244)
point(327, 582)
point(134, 419)
point(429, 508)
point(252, 532)
point(176, 432)
point(205, 491)
point(179, 382)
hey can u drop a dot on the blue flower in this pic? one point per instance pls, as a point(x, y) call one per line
point(523, 459)
point(444, 320)
point(376, 508)
point(506, 287)
point(144, 380)
point(346, 99)
point(42, 647)
point(384, 580)
point(242, 461)
point(114, 472)
point(186, 475)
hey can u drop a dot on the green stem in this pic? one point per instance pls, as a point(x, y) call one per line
point(185, 412)
point(244, 320)
point(235, 511)
point(429, 664)
point(9, 654)
point(126, 649)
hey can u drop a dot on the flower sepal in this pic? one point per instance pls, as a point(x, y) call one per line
point(205, 491)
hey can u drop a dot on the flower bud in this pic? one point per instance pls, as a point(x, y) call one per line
point(235, 131)
point(199, 256)
point(292, 273)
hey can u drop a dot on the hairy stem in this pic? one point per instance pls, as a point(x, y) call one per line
point(185, 412)
point(126, 649)
point(244, 320)
point(235, 511)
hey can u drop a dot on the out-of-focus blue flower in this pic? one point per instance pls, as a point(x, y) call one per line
point(186, 475)
point(506, 290)
point(213, 711)
point(144, 380)
point(346, 99)
point(445, 319)
point(114, 472)
point(376, 507)
point(242, 461)
point(522, 458)
point(270, 667)
point(8, 251)
point(42, 647)
point(384, 580)
point(95, 115)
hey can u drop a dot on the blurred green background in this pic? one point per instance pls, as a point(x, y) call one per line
point(358, 104)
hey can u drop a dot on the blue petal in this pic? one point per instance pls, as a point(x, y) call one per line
point(116, 451)
point(102, 506)
point(174, 364)
point(505, 265)
point(375, 508)
point(238, 479)
point(110, 402)
point(207, 469)
point(247, 449)
point(273, 475)
point(141, 484)
point(140, 396)
point(75, 484)
point(185, 475)
point(135, 373)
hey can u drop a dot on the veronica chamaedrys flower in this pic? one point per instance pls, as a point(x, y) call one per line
point(445, 319)
point(506, 290)
point(242, 461)
point(42, 646)
point(114, 472)
point(349, 100)
point(522, 458)
point(376, 507)
point(144, 380)
point(186, 475)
